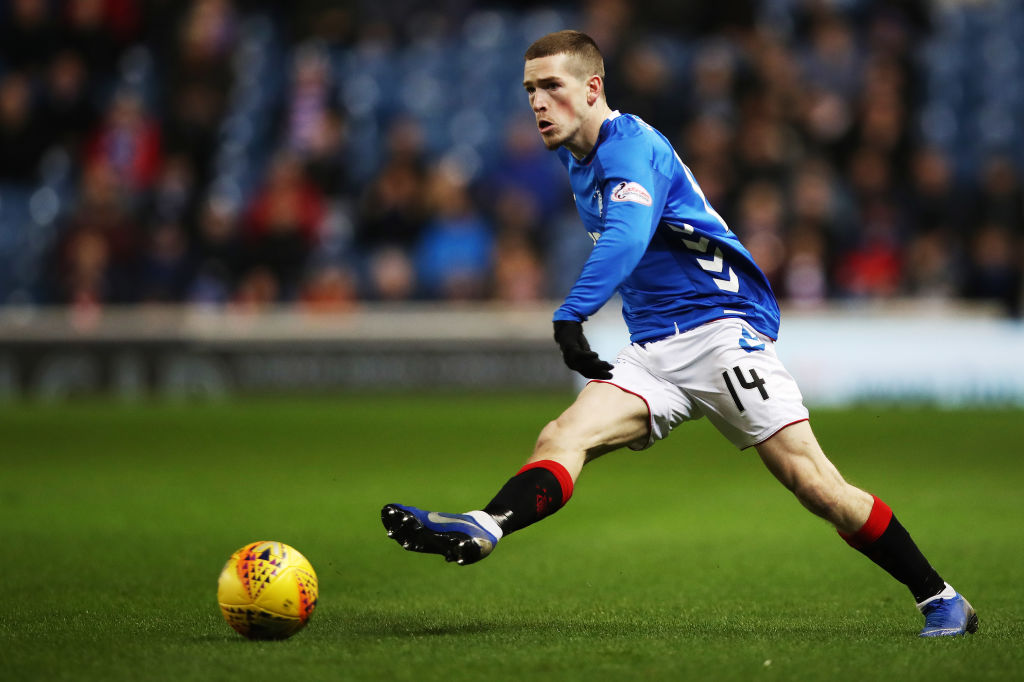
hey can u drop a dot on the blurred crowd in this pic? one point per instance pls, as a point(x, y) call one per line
point(321, 154)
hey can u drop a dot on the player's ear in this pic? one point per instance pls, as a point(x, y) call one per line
point(595, 88)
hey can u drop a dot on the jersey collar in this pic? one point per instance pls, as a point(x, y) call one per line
point(601, 135)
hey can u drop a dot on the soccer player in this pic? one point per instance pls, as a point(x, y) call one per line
point(703, 323)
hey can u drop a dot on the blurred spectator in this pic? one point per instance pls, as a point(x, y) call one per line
point(453, 257)
point(309, 100)
point(805, 282)
point(167, 269)
point(826, 121)
point(329, 289)
point(518, 270)
point(208, 33)
point(175, 191)
point(775, 69)
point(882, 127)
point(128, 142)
point(392, 213)
point(713, 85)
point(199, 77)
point(258, 291)
point(519, 274)
point(934, 202)
point(765, 148)
point(708, 139)
point(651, 90)
point(817, 199)
point(760, 226)
point(393, 208)
point(871, 177)
point(282, 226)
point(832, 61)
point(872, 268)
point(527, 167)
point(994, 267)
point(607, 22)
point(516, 212)
point(98, 256)
point(707, 150)
point(22, 135)
point(391, 274)
point(325, 154)
point(1000, 197)
point(819, 220)
point(931, 266)
point(882, 119)
point(218, 253)
point(68, 105)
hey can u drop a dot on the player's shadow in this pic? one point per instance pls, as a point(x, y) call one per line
point(426, 629)
point(615, 629)
point(430, 629)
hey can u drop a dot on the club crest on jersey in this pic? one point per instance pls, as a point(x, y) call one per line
point(631, 191)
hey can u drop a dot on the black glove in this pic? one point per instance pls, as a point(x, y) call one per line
point(576, 351)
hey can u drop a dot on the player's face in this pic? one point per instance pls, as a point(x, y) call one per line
point(558, 99)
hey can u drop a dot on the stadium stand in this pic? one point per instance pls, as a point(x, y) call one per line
point(248, 154)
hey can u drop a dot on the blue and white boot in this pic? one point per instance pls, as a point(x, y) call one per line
point(947, 614)
point(462, 538)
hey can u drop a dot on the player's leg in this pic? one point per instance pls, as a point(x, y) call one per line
point(867, 524)
point(795, 458)
point(603, 418)
point(750, 397)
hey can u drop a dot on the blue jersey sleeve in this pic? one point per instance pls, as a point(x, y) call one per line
point(633, 196)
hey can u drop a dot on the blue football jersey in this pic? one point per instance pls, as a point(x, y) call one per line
point(657, 241)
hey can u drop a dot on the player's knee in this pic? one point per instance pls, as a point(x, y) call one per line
point(547, 438)
point(555, 438)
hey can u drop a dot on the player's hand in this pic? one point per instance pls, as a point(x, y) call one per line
point(576, 351)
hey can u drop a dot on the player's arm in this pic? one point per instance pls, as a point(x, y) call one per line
point(633, 204)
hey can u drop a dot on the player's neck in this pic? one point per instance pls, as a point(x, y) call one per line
point(583, 142)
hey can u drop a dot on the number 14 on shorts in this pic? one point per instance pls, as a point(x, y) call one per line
point(754, 382)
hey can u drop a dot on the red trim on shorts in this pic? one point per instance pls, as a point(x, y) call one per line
point(878, 521)
point(650, 414)
point(776, 432)
point(559, 472)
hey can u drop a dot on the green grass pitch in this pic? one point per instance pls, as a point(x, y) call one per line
point(686, 561)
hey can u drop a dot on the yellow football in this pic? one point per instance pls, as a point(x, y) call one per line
point(267, 590)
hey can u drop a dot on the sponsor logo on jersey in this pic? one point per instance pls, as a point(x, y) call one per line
point(631, 191)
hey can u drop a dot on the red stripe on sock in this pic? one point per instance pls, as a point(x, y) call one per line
point(878, 521)
point(559, 472)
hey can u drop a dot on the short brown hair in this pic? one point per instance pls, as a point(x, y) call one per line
point(586, 57)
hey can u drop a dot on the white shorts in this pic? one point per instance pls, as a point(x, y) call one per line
point(724, 370)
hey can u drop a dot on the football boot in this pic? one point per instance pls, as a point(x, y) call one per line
point(456, 537)
point(947, 617)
